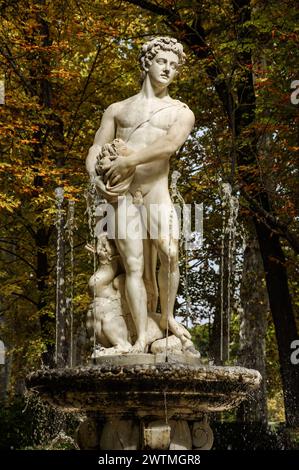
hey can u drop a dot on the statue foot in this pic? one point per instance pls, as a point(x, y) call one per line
point(124, 349)
point(113, 350)
point(178, 330)
point(138, 347)
point(189, 349)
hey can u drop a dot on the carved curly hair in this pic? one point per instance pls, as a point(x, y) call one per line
point(151, 48)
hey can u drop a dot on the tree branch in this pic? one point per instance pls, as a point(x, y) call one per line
point(146, 5)
point(8, 56)
point(84, 88)
point(272, 222)
point(23, 296)
point(18, 256)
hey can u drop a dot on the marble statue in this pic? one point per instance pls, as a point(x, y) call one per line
point(129, 164)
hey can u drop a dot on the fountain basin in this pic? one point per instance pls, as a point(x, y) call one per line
point(115, 388)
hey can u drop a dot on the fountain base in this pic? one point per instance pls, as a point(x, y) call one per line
point(148, 404)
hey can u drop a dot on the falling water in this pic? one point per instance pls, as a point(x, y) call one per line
point(62, 441)
point(60, 334)
point(50, 425)
point(222, 288)
point(93, 201)
point(168, 285)
point(229, 231)
point(70, 227)
point(90, 197)
point(175, 194)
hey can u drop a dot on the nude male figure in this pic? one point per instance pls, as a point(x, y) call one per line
point(154, 126)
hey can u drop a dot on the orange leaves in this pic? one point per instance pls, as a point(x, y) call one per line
point(29, 141)
point(64, 73)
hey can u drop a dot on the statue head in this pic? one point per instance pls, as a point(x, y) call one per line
point(151, 48)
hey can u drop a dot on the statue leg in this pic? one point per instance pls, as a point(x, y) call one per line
point(149, 276)
point(168, 278)
point(130, 246)
point(116, 332)
point(166, 226)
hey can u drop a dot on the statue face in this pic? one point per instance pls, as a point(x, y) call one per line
point(163, 68)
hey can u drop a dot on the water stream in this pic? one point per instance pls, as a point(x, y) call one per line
point(94, 203)
point(70, 228)
point(230, 204)
point(185, 235)
point(59, 195)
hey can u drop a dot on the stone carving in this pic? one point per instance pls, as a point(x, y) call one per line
point(106, 155)
point(106, 315)
point(131, 434)
point(109, 316)
point(87, 434)
point(120, 434)
point(122, 400)
point(202, 435)
point(156, 435)
point(180, 435)
point(129, 165)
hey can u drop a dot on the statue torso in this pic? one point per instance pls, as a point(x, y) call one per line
point(141, 121)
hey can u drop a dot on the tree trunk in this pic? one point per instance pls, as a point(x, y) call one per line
point(219, 347)
point(283, 317)
point(253, 316)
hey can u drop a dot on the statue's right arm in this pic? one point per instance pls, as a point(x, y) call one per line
point(104, 135)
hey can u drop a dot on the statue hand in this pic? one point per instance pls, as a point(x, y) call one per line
point(118, 170)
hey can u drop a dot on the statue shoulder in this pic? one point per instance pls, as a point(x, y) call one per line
point(120, 105)
point(185, 112)
point(180, 104)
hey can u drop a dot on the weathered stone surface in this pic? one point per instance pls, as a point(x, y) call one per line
point(148, 359)
point(130, 390)
point(156, 435)
point(202, 435)
point(160, 405)
point(87, 435)
point(180, 435)
point(120, 434)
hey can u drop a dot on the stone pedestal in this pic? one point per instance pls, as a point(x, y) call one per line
point(144, 402)
point(143, 433)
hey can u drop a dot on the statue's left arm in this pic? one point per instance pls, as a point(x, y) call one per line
point(160, 149)
point(104, 134)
